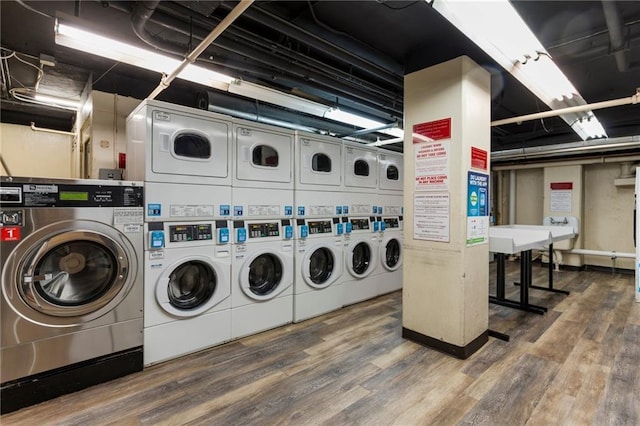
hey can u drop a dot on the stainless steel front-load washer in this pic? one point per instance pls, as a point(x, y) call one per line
point(72, 290)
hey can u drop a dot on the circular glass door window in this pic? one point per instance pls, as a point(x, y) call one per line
point(361, 258)
point(392, 253)
point(75, 273)
point(191, 284)
point(320, 265)
point(265, 273)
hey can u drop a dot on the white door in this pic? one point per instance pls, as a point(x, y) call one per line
point(320, 162)
point(263, 155)
point(190, 146)
point(390, 169)
point(361, 168)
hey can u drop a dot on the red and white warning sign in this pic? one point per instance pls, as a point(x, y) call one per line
point(10, 233)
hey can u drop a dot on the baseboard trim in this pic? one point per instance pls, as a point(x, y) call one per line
point(461, 352)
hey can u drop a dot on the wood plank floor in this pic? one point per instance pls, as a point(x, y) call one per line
point(578, 364)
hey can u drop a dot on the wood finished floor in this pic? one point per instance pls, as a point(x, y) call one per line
point(579, 364)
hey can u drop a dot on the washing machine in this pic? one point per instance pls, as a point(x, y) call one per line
point(361, 258)
point(72, 289)
point(390, 189)
point(263, 173)
point(187, 288)
point(262, 272)
point(318, 166)
point(319, 264)
point(184, 156)
point(388, 276)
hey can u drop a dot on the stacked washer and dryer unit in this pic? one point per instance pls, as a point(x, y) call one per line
point(72, 291)
point(262, 265)
point(388, 276)
point(361, 220)
point(319, 257)
point(184, 156)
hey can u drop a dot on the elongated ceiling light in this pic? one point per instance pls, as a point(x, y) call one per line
point(498, 29)
point(69, 33)
point(77, 38)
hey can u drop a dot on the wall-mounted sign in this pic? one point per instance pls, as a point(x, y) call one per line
point(433, 130)
point(431, 166)
point(479, 158)
point(561, 196)
point(431, 216)
point(477, 209)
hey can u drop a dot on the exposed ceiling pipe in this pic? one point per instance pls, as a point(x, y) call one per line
point(266, 18)
point(256, 111)
point(555, 112)
point(568, 149)
point(616, 38)
point(141, 14)
point(375, 98)
point(191, 57)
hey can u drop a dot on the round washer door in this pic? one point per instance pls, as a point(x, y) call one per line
point(360, 259)
point(321, 266)
point(265, 274)
point(191, 286)
point(70, 273)
point(391, 253)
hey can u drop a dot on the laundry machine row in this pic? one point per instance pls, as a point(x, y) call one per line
point(269, 174)
point(71, 298)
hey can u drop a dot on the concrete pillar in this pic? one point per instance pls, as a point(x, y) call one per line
point(446, 273)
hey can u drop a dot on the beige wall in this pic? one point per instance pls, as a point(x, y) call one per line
point(608, 215)
point(529, 196)
point(35, 153)
point(605, 214)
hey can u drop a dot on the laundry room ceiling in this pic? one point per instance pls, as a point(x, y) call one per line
point(347, 54)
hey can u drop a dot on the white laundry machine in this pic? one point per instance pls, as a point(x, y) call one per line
point(361, 179)
point(72, 290)
point(319, 264)
point(187, 288)
point(361, 259)
point(170, 146)
point(318, 169)
point(263, 173)
point(262, 270)
point(388, 276)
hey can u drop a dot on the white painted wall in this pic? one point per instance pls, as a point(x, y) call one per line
point(108, 129)
point(35, 154)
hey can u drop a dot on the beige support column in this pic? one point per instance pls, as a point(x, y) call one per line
point(446, 268)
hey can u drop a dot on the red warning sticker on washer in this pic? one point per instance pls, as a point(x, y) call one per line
point(10, 233)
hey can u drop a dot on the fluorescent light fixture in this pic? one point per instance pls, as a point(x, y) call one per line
point(341, 116)
point(589, 128)
point(56, 100)
point(504, 36)
point(276, 97)
point(72, 36)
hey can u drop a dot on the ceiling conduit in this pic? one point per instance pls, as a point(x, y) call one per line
point(616, 38)
point(285, 27)
point(191, 57)
point(373, 98)
point(257, 111)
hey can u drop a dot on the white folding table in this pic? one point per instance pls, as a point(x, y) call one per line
point(513, 239)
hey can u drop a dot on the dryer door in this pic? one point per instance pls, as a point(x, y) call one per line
point(190, 146)
point(321, 267)
point(265, 275)
point(69, 277)
point(191, 286)
point(320, 162)
point(263, 155)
